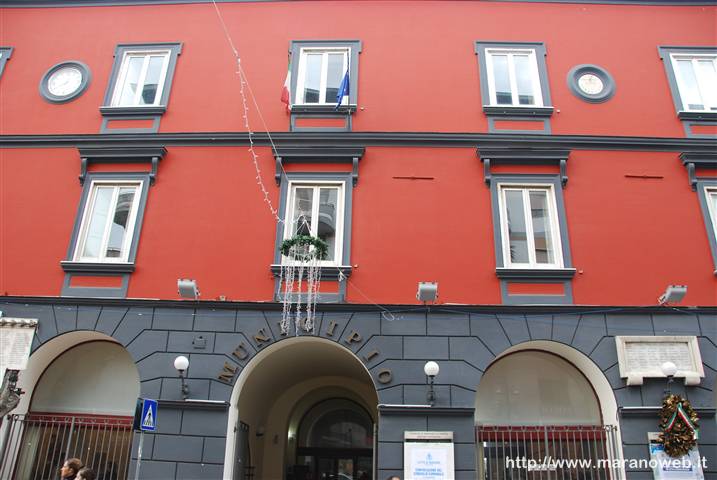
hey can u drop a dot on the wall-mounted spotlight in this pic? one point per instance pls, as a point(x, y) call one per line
point(673, 294)
point(427, 291)
point(431, 370)
point(187, 288)
point(181, 363)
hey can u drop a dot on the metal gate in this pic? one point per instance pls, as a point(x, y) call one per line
point(34, 446)
point(548, 453)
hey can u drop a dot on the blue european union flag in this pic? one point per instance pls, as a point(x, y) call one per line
point(343, 90)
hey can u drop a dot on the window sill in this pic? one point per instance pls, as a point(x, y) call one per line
point(86, 267)
point(132, 111)
point(535, 273)
point(323, 109)
point(688, 115)
point(510, 111)
point(327, 273)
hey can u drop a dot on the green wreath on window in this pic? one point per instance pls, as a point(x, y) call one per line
point(678, 422)
point(320, 251)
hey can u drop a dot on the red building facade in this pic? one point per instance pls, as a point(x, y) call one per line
point(537, 160)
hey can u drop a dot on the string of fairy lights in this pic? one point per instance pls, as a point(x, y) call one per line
point(244, 83)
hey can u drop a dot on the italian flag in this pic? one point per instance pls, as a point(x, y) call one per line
point(285, 93)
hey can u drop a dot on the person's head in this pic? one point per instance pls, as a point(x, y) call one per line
point(394, 477)
point(86, 474)
point(70, 468)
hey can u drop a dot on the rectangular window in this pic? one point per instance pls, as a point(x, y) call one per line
point(513, 77)
point(317, 209)
point(529, 227)
point(696, 80)
point(711, 197)
point(141, 78)
point(140, 83)
point(320, 74)
point(692, 76)
point(5, 54)
point(317, 70)
point(108, 222)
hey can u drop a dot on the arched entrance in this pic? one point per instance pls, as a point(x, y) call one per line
point(81, 406)
point(335, 441)
point(304, 409)
point(545, 410)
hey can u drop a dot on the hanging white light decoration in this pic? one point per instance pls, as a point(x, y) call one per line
point(301, 262)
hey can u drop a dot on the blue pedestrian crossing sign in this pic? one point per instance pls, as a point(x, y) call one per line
point(146, 415)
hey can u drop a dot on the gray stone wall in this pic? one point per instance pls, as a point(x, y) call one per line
point(190, 443)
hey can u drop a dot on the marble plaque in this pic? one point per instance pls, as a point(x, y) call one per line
point(642, 356)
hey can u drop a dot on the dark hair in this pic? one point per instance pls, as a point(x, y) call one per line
point(87, 474)
point(75, 464)
point(393, 477)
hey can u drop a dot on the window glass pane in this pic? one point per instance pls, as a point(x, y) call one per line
point(524, 79)
point(502, 80)
point(96, 228)
point(334, 76)
point(129, 88)
point(544, 252)
point(312, 78)
point(118, 229)
point(517, 233)
point(343, 428)
point(151, 81)
point(708, 75)
point(689, 90)
point(301, 222)
point(328, 205)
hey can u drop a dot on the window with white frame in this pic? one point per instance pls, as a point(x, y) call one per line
point(320, 74)
point(141, 78)
point(696, 77)
point(529, 226)
point(108, 222)
point(711, 197)
point(317, 209)
point(513, 77)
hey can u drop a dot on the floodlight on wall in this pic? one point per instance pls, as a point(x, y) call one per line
point(187, 288)
point(431, 369)
point(427, 291)
point(673, 294)
point(181, 363)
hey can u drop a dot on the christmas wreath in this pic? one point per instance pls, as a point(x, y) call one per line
point(320, 251)
point(678, 422)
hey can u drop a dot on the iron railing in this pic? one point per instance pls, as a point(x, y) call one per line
point(34, 446)
point(548, 453)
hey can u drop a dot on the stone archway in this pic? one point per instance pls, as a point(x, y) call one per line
point(276, 389)
point(82, 388)
point(545, 400)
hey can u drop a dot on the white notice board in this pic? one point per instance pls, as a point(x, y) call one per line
point(664, 467)
point(428, 461)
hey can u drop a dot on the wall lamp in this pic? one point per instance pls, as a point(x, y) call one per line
point(181, 363)
point(427, 291)
point(431, 370)
point(187, 288)
point(673, 294)
point(669, 370)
